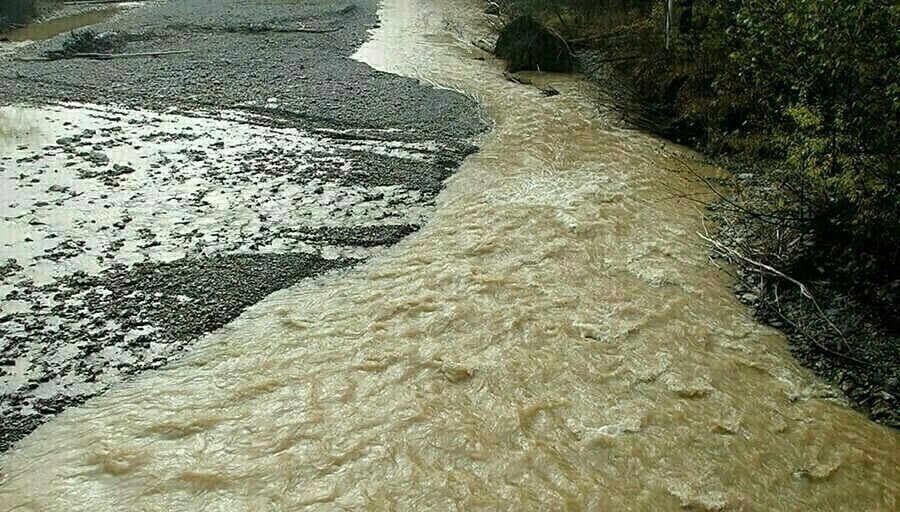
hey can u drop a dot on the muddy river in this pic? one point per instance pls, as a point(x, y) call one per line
point(555, 338)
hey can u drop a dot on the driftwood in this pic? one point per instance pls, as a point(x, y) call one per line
point(732, 254)
point(102, 56)
point(517, 80)
point(549, 91)
point(256, 29)
point(483, 45)
point(98, 2)
point(546, 90)
point(303, 30)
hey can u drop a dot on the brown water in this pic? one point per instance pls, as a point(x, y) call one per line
point(555, 339)
point(48, 29)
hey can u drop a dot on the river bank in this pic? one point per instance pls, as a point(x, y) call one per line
point(150, 201)
point(796, 236)
point(828, 329)
point(839, 326)
point(554, 337)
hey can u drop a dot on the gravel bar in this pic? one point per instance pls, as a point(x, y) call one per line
point(147, 202)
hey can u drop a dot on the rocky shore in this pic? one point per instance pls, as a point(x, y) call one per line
point(149, 201)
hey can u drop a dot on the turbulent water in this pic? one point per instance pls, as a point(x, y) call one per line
point(555, 338)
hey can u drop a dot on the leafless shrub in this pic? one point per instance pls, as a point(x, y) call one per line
point(452, 25)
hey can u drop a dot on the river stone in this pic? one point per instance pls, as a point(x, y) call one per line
point(525, 44)
point(98, 158)
point(749, 298)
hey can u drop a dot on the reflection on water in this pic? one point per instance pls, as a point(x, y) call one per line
point(554, 339)
point(48, 29)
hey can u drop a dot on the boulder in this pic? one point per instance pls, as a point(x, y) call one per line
point(525, 44)
point(88, 41)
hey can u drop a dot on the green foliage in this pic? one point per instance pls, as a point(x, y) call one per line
point(810, 89)
point(571, 17)
point(821, 82)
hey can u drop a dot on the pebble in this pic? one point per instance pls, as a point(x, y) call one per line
point(151, 293)
point(98, 158)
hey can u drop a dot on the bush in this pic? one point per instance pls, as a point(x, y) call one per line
point(808, 89)
point(576, 17)
point(820, 82)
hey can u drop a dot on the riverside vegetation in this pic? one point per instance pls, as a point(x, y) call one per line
point(802, 99)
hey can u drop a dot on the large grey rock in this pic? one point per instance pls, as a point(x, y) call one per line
point(525, 44)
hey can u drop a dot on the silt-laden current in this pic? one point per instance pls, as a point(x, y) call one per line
point(554, 339)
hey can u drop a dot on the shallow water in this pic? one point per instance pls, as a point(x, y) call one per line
point(47, 29)
point(89, 192)
point(181, 174)
point(555, 338)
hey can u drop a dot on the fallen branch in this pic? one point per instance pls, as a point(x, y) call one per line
point(546, 90)
point(549, 91)
point(254, 29)
point(101, 56)
point(767, 218)
point(517, 80)
point(483, 46)
point(97, 2)
point(304, 30)
point(809, 337)
point(108, 56)
point(728, 251)
point(260, 29)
